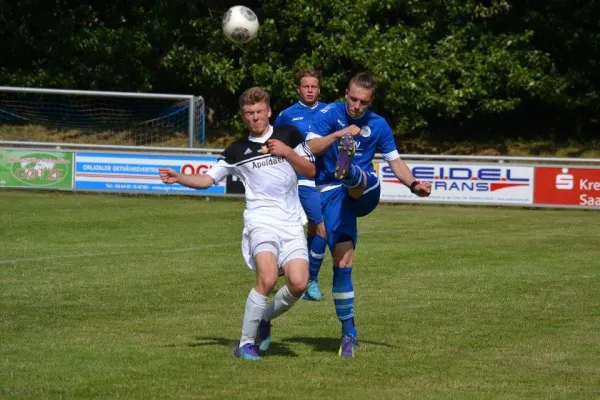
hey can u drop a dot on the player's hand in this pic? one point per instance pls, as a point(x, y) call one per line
point(278, 148)
point(423, 189)
point(168, 175)
point(353, 130)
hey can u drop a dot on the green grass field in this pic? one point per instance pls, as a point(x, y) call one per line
point(107, 296)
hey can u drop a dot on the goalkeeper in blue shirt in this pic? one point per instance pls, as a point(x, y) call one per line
point(346, 135)
point(308, 87)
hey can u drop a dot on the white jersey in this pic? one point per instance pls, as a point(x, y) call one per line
point(270, 182)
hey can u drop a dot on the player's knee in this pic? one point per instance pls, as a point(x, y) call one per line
point(296, 275)
point(345, 262)
point(266, 282)
point(297, 284)
point(343, 253)
point(298, 287)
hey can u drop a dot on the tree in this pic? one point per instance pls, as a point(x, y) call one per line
point(456, 67)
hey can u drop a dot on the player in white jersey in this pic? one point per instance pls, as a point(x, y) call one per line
point(268, 163)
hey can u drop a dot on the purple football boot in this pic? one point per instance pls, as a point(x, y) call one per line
point(349, 343)
point(344, 161)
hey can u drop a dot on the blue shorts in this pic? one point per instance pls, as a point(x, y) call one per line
point(310, 199)
point(340, 211)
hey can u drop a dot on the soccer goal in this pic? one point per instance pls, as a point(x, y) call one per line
point(97, 117)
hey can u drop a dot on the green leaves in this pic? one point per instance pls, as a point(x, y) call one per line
point(437, 62)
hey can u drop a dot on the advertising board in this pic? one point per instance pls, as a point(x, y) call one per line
point(36, 169)
point(570, 186)
point(463, 183)
point(127, 172)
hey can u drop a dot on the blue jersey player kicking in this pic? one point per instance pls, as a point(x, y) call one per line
point(349, 186)
point(308, 87)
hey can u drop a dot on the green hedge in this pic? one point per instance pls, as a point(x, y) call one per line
point(453, 68)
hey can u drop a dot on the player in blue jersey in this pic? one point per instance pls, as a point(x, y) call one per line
point(346, 135)
point(308, 87)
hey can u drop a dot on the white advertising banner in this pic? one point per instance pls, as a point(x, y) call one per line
point(462, 183)
point(131, 172)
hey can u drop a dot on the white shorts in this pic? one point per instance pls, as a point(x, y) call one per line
point(286, 242)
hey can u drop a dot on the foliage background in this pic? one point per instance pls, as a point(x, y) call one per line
point(452, 69)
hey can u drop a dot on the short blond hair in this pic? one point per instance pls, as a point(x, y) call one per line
point(255, 95)
point(310, 73)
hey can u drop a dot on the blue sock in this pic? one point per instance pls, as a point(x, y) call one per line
point(354, 178)
point(309, 240)
point(315, 256)
point(343, 299)
point(348, 327)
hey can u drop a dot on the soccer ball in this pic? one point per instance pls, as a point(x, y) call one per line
point(240, 24)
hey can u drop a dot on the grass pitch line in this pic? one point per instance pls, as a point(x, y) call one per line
point(116, 253)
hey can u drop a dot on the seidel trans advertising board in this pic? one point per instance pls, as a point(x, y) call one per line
point(502, 184)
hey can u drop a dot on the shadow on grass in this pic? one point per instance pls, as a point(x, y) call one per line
point(276, 349)
point(330, 345)
point(279, 348)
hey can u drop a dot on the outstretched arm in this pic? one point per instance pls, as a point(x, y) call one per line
point(318, 145)
point(301, 165)
point(195, 181)
point(404, 175)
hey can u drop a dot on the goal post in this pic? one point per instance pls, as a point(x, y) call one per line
point(102, 117)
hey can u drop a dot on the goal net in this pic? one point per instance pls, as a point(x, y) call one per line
point(116, 118)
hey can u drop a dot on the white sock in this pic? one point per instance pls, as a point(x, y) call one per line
point(255, 307)
point(282, 302)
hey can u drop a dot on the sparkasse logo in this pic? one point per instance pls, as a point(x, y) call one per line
point(564, 181)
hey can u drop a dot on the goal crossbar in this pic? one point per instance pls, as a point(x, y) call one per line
point(96, 93)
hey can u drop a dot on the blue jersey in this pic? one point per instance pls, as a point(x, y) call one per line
point(375, 137)
point(299, 115)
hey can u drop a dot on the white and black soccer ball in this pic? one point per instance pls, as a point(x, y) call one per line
point(240, 24)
